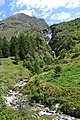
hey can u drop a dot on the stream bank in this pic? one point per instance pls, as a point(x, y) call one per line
point(17, 101)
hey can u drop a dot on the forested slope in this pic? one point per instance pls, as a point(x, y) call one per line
point(66, 37)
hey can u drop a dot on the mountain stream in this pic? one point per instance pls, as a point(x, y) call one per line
point(16, 100)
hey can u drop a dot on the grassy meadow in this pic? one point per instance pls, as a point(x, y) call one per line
point(10, 73)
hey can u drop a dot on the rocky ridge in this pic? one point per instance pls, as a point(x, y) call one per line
point(21, 22)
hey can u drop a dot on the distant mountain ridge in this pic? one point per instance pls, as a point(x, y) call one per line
point(21, 22)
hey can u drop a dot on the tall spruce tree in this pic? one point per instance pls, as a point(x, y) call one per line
point(5, 48)
point(14, 46)
point(22, 46)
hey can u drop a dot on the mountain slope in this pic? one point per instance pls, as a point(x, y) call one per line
point(25, 40)
point(66, 37)
point(19, 23)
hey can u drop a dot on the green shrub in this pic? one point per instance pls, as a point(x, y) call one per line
point(58, 69)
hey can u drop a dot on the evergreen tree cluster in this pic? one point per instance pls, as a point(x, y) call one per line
point(31, 49)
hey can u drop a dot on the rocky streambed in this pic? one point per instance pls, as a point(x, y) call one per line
point(17, 100)
point(45, 111)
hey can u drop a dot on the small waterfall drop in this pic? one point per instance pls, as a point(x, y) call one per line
point(48, 37)
point(54, 54)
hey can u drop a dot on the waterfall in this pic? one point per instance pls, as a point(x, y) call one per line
point(48, 36)
point(54, 54)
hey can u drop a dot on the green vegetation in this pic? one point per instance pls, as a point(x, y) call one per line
point(63, 86)
point(66, 38)
point(50, 94)
point(69, 76)
point(20, 23)
point(26, 55)
point(10, 73)
point(32, 50)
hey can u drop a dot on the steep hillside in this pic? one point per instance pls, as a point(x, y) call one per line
point(66, 37)
point(19, 23)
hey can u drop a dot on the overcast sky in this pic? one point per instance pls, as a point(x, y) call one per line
point(53, 11)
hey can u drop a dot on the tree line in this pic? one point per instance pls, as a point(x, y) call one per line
point(31, 49)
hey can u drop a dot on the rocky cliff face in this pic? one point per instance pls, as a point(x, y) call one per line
point(18, 23)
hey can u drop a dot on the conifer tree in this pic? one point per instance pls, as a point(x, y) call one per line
point(14, 46)
point(22, 46)
point(5, 48)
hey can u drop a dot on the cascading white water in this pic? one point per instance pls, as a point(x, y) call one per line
point(54, 54)
point(49, 36)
